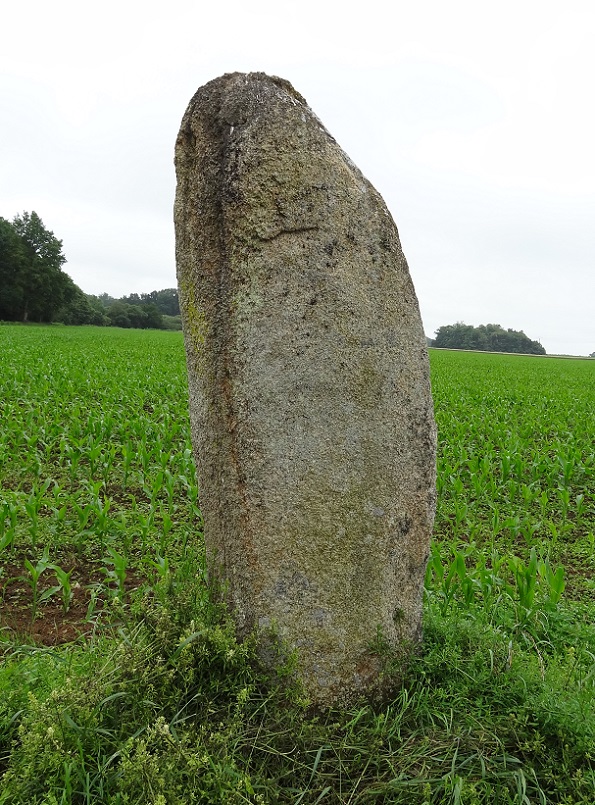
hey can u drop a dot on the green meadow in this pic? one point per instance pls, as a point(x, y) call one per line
point(121, 682)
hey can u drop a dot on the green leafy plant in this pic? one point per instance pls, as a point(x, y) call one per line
point(64, 585)
point(32, 578)
point(117, 572)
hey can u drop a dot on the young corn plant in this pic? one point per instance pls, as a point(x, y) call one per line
point(553, 580)
point(128, 455)
point(525, 578)
point(35, 572)
point(530, 586)
point(8, 520)
point(117, 572)
point(165, 528)
point(33, 505)
point(8, 524)
point(64, 586)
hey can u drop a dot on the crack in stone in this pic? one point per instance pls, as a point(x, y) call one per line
point(281, 232)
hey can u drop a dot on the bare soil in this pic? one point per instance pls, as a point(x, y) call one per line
point(52, 624)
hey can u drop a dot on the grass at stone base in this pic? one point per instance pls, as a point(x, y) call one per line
point(165, 707)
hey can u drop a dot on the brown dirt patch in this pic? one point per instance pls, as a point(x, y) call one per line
point(52, 624)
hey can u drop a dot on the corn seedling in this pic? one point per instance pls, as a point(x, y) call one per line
point(64, 585)
point(117, 573)
point(32, 579)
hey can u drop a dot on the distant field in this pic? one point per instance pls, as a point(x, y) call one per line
point(99, 519)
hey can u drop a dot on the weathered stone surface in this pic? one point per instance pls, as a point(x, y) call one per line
point(310, 400)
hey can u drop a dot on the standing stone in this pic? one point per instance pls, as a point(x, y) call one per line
point(310, 399)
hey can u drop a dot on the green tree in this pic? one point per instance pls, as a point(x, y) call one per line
point(119, 314)
point(105, 299)
point(166, 301)
point(486, 337)
point(13, 261)
point(80, 308)
point(458, 336)
point(154, 318)
point(99, 314)
point(39, 286)
point(156, 310)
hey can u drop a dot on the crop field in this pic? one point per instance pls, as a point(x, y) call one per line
point(516, 465)
point(121, 682)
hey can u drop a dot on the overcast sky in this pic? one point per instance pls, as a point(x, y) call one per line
point(474, 120)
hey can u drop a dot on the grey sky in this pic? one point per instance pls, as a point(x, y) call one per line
point(475, 121)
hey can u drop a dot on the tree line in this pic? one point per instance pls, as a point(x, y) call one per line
point(485, 338)
point(34, 287)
